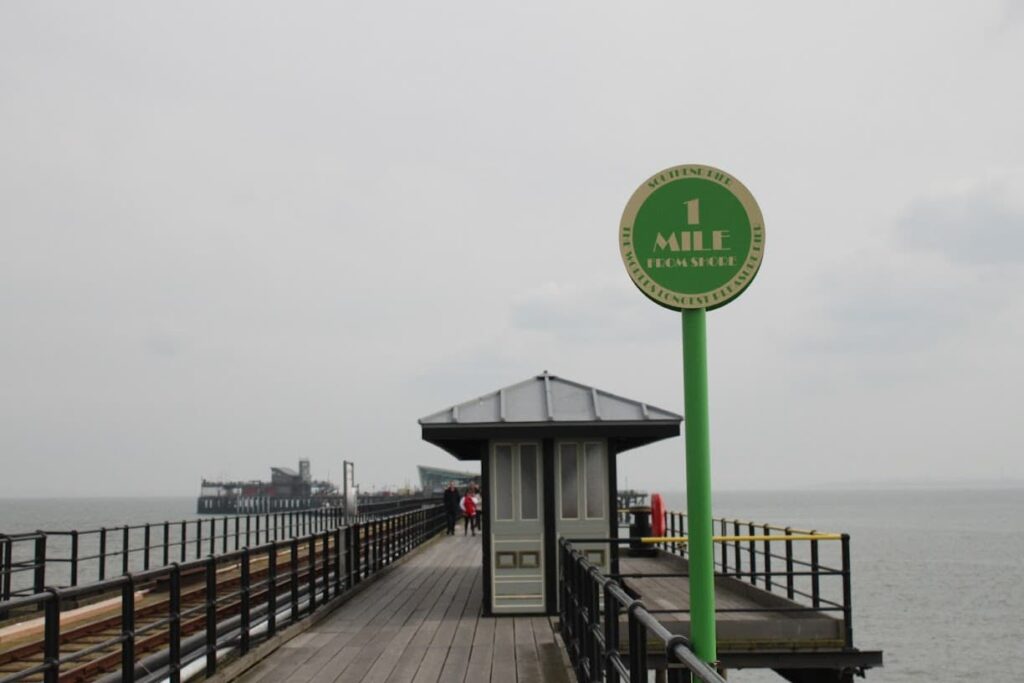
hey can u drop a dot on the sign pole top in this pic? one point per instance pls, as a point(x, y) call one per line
point(692, 236)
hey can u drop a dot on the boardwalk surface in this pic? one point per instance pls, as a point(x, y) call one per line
point(420, 623)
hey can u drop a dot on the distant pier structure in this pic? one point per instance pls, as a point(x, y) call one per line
point(286, 490)
point(435, 479)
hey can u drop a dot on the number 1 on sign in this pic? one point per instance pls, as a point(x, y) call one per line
point(693, 212)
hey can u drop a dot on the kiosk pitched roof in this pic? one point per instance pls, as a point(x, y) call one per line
point(547, 405)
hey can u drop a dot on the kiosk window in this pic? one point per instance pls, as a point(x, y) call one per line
point(595, 480)
point(503, 482)
point(528, 481)
point(570, 483)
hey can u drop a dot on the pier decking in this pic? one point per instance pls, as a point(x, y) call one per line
point(420, 622)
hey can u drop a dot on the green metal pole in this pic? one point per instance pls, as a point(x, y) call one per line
point(698, 485)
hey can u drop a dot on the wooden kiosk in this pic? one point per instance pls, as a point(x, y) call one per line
point(547, 449)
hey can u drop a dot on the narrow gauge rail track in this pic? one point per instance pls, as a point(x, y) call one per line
point(136, 624)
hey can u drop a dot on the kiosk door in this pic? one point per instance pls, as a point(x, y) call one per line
point(581, 468)
point(517, 528)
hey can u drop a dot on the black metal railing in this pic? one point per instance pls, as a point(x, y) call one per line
point(809, 568)
point(31, 561)
point(591, 607)
point(187, 616)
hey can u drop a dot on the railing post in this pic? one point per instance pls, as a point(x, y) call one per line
point(74, 557)
point(272, 590)
point(211, 615)
point(51, 637)
point(337, 561)
point(39, 564)
point(767, 559)
point(751, 550)
point(199, 538)
point(174, 624)
point(246, 606)
point(357, 558)
point(725, 548)
point(125, 547)
point(102, 569)
point(5, 567)
point(312, 574)
point(238, 532)
point(815, 586)
point(847, 594)
point(213, 536)
point(128, 630)
point(790, 590)
point(167, 544)
point(224, 534)
point(183, 540)
point(611, 634)
point(737, 558)
point(295, 579)
point(146, 538)
point(637, 644)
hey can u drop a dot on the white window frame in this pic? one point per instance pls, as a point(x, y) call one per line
point(581, 478)
point(517, 512)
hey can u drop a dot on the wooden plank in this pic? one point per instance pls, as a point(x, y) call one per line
point(431, 664)
point(527, 662)
point(550, 658)
point(503, 666)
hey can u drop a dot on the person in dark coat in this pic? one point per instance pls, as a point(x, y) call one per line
point(451, 506)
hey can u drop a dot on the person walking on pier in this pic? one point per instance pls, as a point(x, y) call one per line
point(451, 507)
point(469, 509)
point(478, 501)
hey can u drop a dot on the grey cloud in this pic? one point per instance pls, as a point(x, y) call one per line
point(973, 228)
point(595, 313)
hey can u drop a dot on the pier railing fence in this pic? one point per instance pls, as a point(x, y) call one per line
point(809, 568)
point(173, 621)
point(591, 607)
point(31, 561)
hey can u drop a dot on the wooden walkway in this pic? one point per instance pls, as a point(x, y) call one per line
point(420, 623)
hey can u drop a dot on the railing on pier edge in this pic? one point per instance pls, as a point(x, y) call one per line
point(216, 604)
point(29, 562)
point(592, 602)
point(798, 571)
point(590, 607)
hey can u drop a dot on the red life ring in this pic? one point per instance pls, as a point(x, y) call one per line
point(657, 515)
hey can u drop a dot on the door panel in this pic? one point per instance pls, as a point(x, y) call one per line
point(517, 528)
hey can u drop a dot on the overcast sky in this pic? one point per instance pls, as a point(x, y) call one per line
point(237, 234)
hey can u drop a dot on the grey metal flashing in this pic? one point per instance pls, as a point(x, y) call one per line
point(597, 404)
point(455, 414)
point(548, 403)
point(643, 409)
point(501, 404)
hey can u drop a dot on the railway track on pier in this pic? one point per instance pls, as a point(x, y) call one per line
point(91, 640)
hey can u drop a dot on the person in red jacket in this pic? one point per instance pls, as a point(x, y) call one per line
point(468, 506)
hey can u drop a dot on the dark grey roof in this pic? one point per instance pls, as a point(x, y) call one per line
point(547, 398)
point(287, 471)
point(546, 406)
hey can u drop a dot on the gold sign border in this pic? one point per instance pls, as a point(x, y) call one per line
point(712, 298)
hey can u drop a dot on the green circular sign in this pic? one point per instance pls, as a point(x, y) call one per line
point(692, 237)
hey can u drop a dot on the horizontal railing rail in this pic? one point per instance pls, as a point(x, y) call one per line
point(31, 561)
point(591, 608)
point(185, 617)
